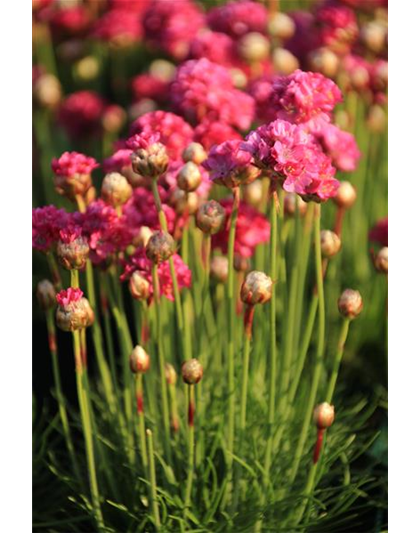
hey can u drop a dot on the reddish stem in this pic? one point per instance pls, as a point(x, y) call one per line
point(339, 217)
point(191, 411)
point(248, 319)
point(52, 342)
point(318, 445)
point(140, 403)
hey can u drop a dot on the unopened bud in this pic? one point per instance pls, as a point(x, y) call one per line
point(194, 152)
point(350, 304)
point(290, 201)
point(192, 371)
point(73, 255)
point(210, 217)
point(254, 47)
point(183, 202)
point(330, 243)
point(78, 315)
point(139, 286)
point(189, 177)
point(115, 189)
point(253, 193)
point(139, 360)
point(281, 26)
point(284, 62)
point(46, 294)
point(241, 264)
point(219, 268)
point(239, 78)
point(257, 288)
point(376, 119)
point(170, 374)
point(381, 260)
point(47, 91)
point(72, 186)
point(161, 246)
point(325, 61)
point(346, 195)
point(373, 35)
point(162, 69)
point(152, 161)
point(87, 68)
point(113, 118)
point(142, 237)
point(324, 415)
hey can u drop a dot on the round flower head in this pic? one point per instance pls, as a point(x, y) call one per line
point(161, 246)
point(241, 264)
point(330, 243)
point(379, 233)
point(340, 146)
point(219, 268)
point(113, 118)
point(194, 152)
point(209, 133)
point(253, 193)
point(210, 217)
point(170, 374)
point(139, 360)
point(284, 62)
point(346, 195)
point(238, 18)
point(290, 201)
point(192, 371)
point(189, 177)
point(149, 157)
point(254, 47)
point(229, 165)
point(115, 189)
point(120, 162)
point(47, 91)
point(376, 119)
point(72, 174)
point(350, 304)
point(81, 112)
point(337, 27)
point(281, 26)
point(142, 237)
point(381, 260)
point(324, 61)
point(120, 28)
point(72, 311)
point(373, 34)
point(46, 295)
point(72, 248)
point(257, 288)
point(139, 286)
point(47, 222)
point(183, 202)
point(215, 46)
point(324, 415)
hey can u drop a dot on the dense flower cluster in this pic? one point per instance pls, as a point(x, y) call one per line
point(209, 133)
point(119, 27)
point(379, 233)
point(149, 86)
point(72, 163)
point(238, 18)
point(337, 27)
point(67, 297)
point(47, 222)
point(340, 146)
point(81, 113)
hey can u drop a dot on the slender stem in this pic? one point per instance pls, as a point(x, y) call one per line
point(152, 477)
point(87, 429)
point(191, 411)
point(337, 360)
point(231, 336)
point(248, 319)
point(319, 351)
point(55, 273)
point(140, 412)
point(74, 278)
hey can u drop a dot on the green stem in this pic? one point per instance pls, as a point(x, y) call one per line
point(74, 278)
point(140, 412)
point(337, 361)
point(249, 316)
point(152, 477)
point(190, 475)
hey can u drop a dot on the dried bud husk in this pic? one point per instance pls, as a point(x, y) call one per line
point(324, 415)
point(219, 268)
point(284, 62)
point(139, 360)
point(47, 91)
point(253, 193)
point(189, 177)
point(192, 371)
point(170, 374)
point(257, 288)
point(45, 293)
point(184, 202)
point(139, 286)
point(290, 201)
point(241, 264)
point(350, 304)
point(381, 260)
point(281, 26)
point(254, 47)
point(194, 152)
point(161, 246)
point(73, 255)
point(325, 61)
point(115, 189)
point(77, 315)
point(72, 186)
point(210, 217)
point(152, 161)
point(142, 237)
point(346, 195)
point(330, 243)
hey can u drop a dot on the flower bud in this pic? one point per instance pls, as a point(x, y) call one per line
point(210, 217)
point(350, 304)
point(284, 62)
point(241, 264)
point(346, 195)
point(170, 374)
point(189, 177)
point(183, 202)
point(113, 118)
point(46, 294)
point(257, 288)
point(239, 78)
point(162, 69)
point(325, 61)
point(253, 193)
point(324, 415)
point(376, 119)
point(87, 68)
point(71, 186)
point(192, 371)
point(152, 161)
point(73, 311)
point(254, 47)
point(47, 91)
point(290, 200)
point(115, 189)
point(381, 260)
point(219, 268)
point(330, 243)
point(281, 26)
point(139, 286)
point(139, 360)
point(194, 152)
point(373, 34)
point(142, 237)
point(73, 254)
point(161, 246)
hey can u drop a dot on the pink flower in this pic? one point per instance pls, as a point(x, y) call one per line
point(142, 140)
point(80, 113)
point(337, 26)
point(210, 133)
point(238, 18)
point(149, 86)
point(261, 90)
point(70, 20)
point(46, 225)
point(304, 96)
point(67, 297)
point(340, 146)
point(118, 161)
point(118, 26)
point(228, 164)
point(169, 180)
point(171, 26)
point(70, 233)
point(140, 210)
point(252, 229)
point(203, 90)
point(72, 163)
point(174, 132)
point(139, 261)
point(379, 233)
point(358, 71)
point(135, 6)
point(216, 47)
